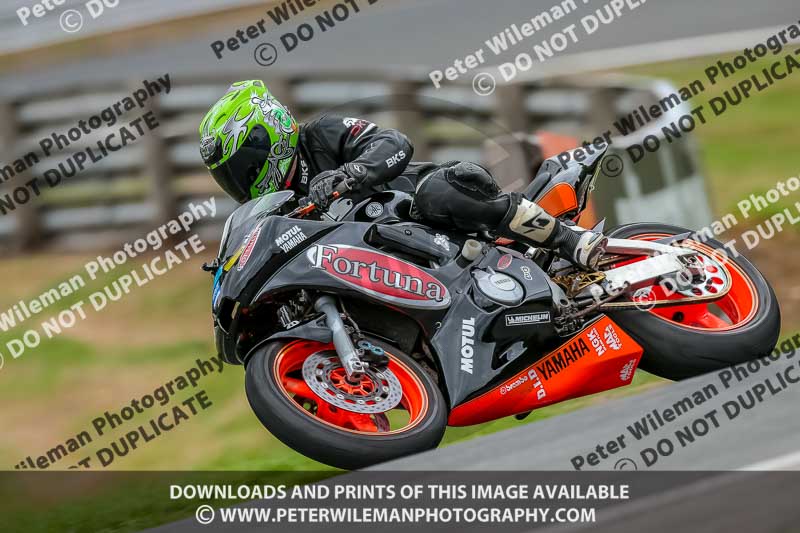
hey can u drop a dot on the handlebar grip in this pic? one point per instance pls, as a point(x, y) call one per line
point(344, 186)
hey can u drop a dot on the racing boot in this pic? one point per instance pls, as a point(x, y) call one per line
point(527, 222)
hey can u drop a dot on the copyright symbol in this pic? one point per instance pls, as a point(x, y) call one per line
point(265, 54)
point(204, 514)
point(644, 299)
point(625, 464)
point(612, 165)
point(484, 84)
point(71, 21)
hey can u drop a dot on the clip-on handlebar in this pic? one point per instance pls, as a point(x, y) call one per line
point(308, 208)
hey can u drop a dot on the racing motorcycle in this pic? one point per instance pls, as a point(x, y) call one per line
point(364, 333)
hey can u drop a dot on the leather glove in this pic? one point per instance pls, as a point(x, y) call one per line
point(320, 190)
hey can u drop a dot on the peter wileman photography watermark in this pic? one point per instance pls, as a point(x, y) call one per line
point(716, 259)
point(522, 32)
point(664, 431)
point(71, 20)
point(286, 40)
point(133, 412)
point(748, 86)
point(748, 210)
point(98, 124)
point(424, 503)
point(155, 266)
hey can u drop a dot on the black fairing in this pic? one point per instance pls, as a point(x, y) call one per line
point(395, 207)
point(236, 288)
point(496, 345)
point(270, 270)
point(274, 257)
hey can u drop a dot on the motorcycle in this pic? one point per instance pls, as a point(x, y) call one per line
point(365, 333)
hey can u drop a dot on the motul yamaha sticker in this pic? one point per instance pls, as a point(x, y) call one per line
point(290, 239)
point(381, 276)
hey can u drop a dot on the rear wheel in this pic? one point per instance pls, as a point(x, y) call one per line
point(682, 341)
point(300, 393)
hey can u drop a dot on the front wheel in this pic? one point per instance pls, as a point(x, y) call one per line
point(300, 393)
point(687, 340)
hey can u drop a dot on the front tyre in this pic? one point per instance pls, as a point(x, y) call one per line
point(335, 421)
point(688, 340)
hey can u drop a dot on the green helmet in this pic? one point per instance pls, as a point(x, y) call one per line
point(248, 141)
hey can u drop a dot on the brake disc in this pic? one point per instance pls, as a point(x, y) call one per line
point(717, 281)
point(716, 284)
point(377, 391)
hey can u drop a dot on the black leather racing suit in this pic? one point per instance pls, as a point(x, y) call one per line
point(452, 195)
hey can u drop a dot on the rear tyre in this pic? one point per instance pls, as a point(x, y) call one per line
point(312, 425)
point(689, 340)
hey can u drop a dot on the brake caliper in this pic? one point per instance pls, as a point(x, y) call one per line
point(373, 355)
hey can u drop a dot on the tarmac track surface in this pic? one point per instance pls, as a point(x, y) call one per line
point(402, 36)
point(766, 436)
point(732, 476)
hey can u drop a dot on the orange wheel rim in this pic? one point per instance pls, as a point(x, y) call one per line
point(737, 307)
point(411, 410)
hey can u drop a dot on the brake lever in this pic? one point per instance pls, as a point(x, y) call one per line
point(305, 210)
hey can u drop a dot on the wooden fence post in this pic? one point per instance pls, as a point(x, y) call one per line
point(508, 156)
point(28, 223)
point(601, 117)
point(602, 110)
point(511, 111)
point(408, 115)
point(157, 168)
point(281, 88)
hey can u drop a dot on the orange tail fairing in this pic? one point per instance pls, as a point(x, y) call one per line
point(559, 199)
point(601, 357)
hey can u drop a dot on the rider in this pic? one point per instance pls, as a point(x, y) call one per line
point(252, 146)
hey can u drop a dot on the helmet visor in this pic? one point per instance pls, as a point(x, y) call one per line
point(237, 175)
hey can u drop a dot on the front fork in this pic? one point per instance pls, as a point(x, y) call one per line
point(354, 367)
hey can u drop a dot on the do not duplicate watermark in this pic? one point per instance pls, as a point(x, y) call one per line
point(286, 40)
point(167, 258)
point(71, 20)
point(134, 412)
point(674, 107)
point(542, 50)
point(724, 397)
point(64, 141)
